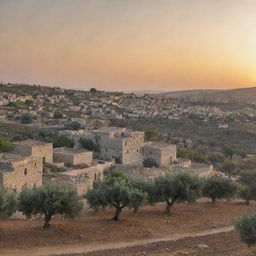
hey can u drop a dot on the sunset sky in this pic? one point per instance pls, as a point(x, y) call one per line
point(129, 44)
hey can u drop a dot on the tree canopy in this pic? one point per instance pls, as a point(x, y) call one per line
point(176, 188)
point(8, 203)
point(49, 200)
point(118, 191)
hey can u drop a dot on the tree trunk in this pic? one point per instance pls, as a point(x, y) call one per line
point(117, 213)
point(169, 206)
point(47, 218)
point(213, 200)
point(247, 201)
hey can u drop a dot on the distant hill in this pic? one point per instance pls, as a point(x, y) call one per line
point(241, 95)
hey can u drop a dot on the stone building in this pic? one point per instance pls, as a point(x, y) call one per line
point(83, 178)
point(72, 156)
point(118, 144)
point(18, 172)
point(35, 148)
point(163, 154)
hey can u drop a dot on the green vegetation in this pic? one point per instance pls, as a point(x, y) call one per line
point(74, 125)
point(118, 191)
point(89, 145)
point(218, 188)
point(193, 155)
point(5, 145)
point(26, 119)
point(149, 163)
point(57, 140)
point(151, 134)
point(8, 203)
point(49, 200)
point(57, 115)
point(177, 188)
point(228, 167)
point(246, 226)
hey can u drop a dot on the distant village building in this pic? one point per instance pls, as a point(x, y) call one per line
point(119, 145)
point(72, 156)
point(35, 148)
point(18, 171)
point(163, 154)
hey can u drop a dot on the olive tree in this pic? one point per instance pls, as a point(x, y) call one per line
point(247, 187)
point(49, 200)
point(177, 188)
point(118, 191)
point(246, 226)
point(8, 203)
point(219, 187)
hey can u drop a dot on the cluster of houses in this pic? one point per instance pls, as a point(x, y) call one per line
point(25, 165)
point(105, 106)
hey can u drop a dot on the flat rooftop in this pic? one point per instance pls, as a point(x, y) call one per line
point(158, 145)
point(31, 143)
point(70, 151)
point(6, 160)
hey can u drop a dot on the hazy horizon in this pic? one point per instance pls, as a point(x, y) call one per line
point(163, 45)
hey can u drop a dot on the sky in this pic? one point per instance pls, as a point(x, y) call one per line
point(129, 44)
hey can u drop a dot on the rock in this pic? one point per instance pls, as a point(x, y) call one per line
point(202, 246)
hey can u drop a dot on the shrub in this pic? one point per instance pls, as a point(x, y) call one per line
point(150, 134)
point(26, 119)
point(89, 145)
point(246, 226)
point(5, 145)
point(149, 163)
point(8, 203)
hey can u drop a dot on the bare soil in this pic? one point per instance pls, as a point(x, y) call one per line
point(149, 223)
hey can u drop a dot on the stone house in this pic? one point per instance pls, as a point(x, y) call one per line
point(118, 145)
point(72, 156)
point(18, 172)
point(163, 154)
point(35, 148)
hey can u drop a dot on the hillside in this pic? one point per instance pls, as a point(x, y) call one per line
point(241, 95)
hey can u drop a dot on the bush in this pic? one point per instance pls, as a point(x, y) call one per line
point(26, 119)
point(150, 134)
point(73, 125)
point(246, 226)
point(57, 115)
point(149, 163)
point(89, 145)
point(193, 155)
point(5, 145)
point(8, 203)
point(49, 200)
point(228, 167)
point(63, 141)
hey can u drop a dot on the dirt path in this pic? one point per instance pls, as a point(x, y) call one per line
point(82, 248)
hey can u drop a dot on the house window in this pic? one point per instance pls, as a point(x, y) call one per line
point(106, 150)
point(95, 176)
point(25, 171)
point(150, 152)
point(35, 164)
point(43, 159)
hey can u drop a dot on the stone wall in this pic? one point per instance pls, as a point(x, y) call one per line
point(163, 156)
point(122, 146)
point(73, 158)
point(45, 151)
point(26, 173)
point(88, 176)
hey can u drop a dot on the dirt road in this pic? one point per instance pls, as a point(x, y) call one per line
point(82, 248)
